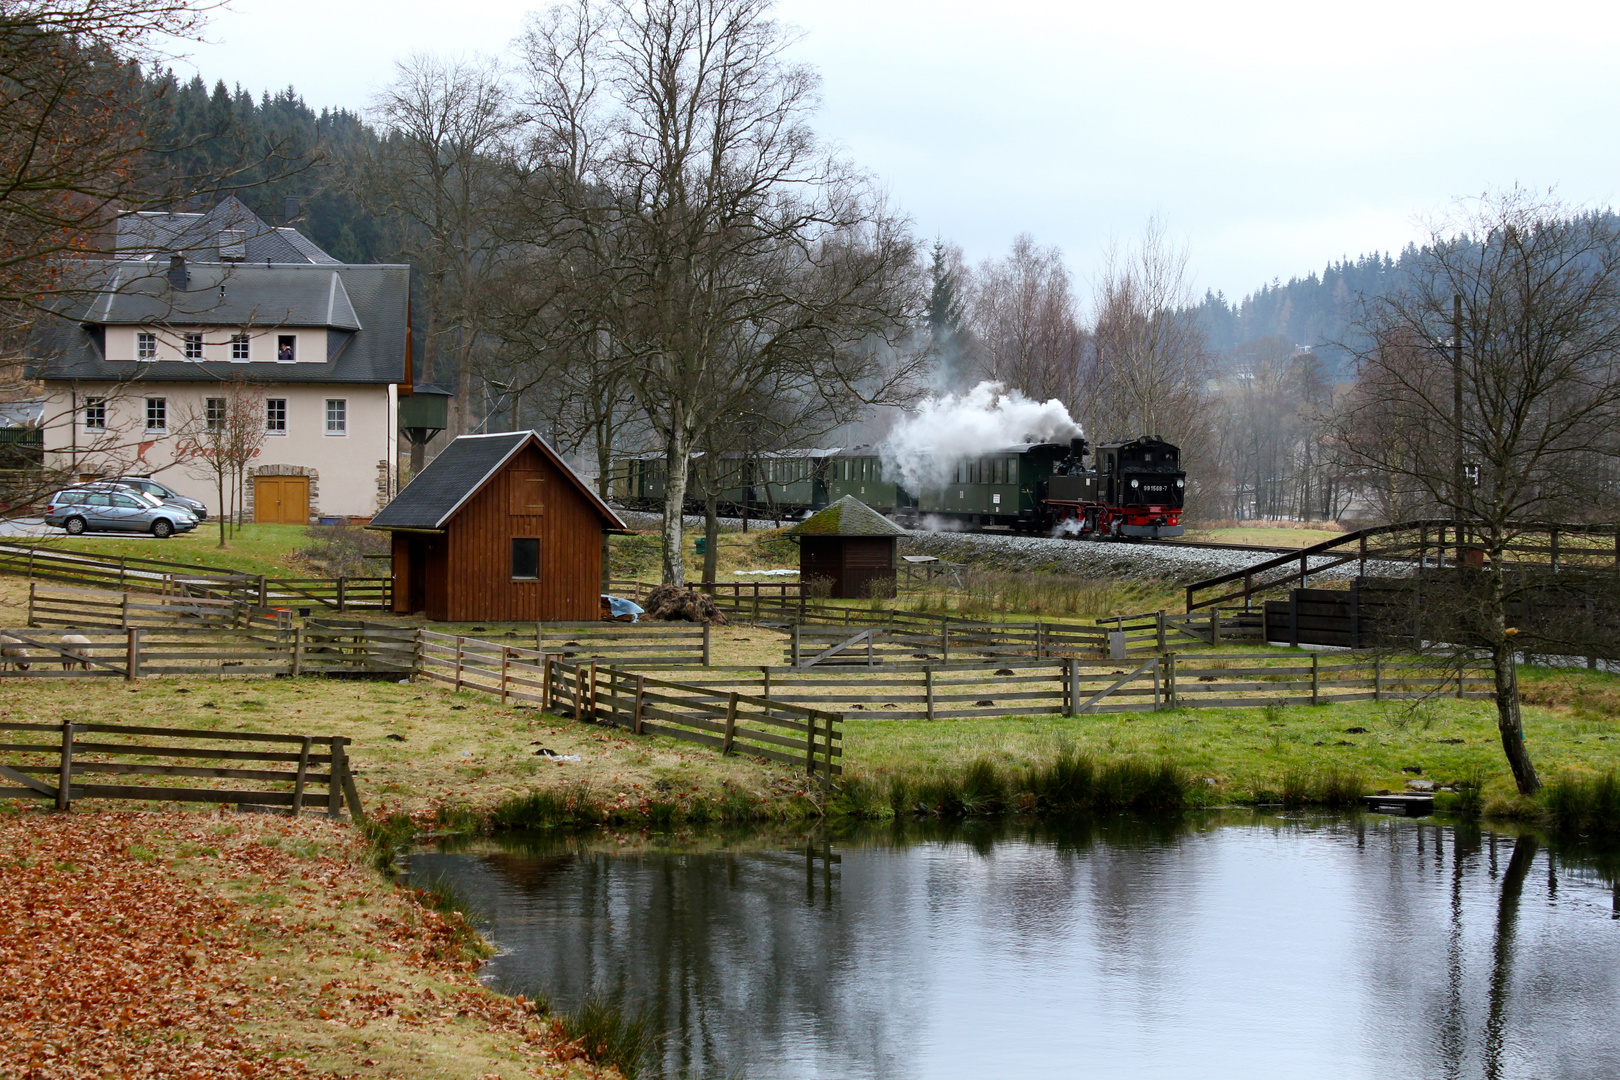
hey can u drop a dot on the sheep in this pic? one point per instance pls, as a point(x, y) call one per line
point(12, 652)
point(72, 658)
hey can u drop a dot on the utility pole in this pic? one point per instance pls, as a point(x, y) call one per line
point(1458, 479)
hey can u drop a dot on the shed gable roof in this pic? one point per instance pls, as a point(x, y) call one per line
point(461, 470)
point(847, 517)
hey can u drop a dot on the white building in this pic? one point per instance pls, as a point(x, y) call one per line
point(199, 310)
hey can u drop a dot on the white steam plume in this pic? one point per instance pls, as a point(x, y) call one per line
point(924, 447)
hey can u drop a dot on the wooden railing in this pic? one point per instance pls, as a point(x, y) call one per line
point(64, 763)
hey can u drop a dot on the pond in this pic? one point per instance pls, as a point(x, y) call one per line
point(1252, 946)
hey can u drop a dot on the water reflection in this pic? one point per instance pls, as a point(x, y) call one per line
point(1272, 947)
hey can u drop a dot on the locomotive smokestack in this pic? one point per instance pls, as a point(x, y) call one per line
point(1077, 447)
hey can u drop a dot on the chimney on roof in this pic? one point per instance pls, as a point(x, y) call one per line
point(290, 208)
point(178, 274)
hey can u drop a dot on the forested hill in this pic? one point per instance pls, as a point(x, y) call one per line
point(1317, 310)
point(292, 151)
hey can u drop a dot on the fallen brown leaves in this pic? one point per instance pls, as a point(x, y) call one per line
point(195, 947)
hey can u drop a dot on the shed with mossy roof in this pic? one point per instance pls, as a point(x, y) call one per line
point(850, 545)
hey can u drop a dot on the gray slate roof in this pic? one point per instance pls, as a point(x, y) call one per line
point(229, 229)
point(367, 305)
point(846, 517)
point(432, 498)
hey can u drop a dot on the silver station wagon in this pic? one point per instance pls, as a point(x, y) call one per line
point(81, 510)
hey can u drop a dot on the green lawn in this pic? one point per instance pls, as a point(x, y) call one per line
point(1254, 754)
point(255, 549)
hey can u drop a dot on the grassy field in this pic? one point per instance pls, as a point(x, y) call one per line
point(418, 748)
point(255, 549)
point(1266, 534)
point(1259, 755)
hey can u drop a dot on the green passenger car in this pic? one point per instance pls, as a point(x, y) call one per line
point(859, 472)
point(995, 490)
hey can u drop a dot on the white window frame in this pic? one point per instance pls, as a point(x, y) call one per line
point(193, 346)
point(95, 414)
point(214, 410)
point(272, 406)
point(241, 347)
point(340, 420)
point(145, 345)
point(159, 408)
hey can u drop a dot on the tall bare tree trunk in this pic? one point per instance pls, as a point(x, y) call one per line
point(711, 535)
point(1504, 666)
point(675, 460)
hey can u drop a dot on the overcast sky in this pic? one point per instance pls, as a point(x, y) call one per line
point(1270, 137)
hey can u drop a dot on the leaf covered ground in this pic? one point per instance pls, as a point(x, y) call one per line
point(195, 946)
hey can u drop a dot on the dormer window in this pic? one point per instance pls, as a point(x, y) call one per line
point(232, 245)
point(240, 349)
point(145, 346)
point(287, 349)
point(194, 347)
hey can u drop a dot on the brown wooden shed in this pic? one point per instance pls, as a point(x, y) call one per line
point(851, 545)
point(498, 528)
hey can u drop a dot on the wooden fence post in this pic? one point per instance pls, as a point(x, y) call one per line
point(1170, 680)
point(263, 593)
point(334, 786)
point(460, 644)
point(590, 685)
point(1316, 679)
point(641, 689)
point(945, 641)
point(340, 597)
point(705, 644)
point(794, 647)
point(124, 609)
point(1158, 699)
point(297, 667)
point(810, 744)
point(1159, 625)
point(505, 656)
point(1378, 677)
point(731, 723)
point(303, 770)
point(1073, 673)
point(545, 686)
point(132, 653)
point(928, 689)
point(1214, 627)
point(579, 692)
point(64, 775)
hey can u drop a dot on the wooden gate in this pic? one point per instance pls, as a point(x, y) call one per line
point(281, 500)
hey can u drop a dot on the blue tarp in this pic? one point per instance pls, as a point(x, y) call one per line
point(618, 605)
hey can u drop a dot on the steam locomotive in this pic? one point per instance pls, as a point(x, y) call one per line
point(1130, 490)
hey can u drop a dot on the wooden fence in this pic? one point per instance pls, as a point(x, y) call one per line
point(63, 606)
point(65, 762)
point(129, 573)
point(730, 721)
point(652, 644)
point(318, 649)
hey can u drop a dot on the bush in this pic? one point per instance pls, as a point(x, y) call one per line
point(610, 1036)
point(1583, 804)
point(340, 550)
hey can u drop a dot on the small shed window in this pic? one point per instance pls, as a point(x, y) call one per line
point(525, 558)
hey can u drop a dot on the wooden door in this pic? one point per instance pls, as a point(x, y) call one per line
point(281, 500)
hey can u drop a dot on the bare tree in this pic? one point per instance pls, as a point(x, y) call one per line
point(440, 174)
point(672, 151)
point(1494, 387)
point(219, 439)
point(1029, 332)
point(1149, 358)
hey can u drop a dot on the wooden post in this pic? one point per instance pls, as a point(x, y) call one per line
point(303, 770)
point(1293, 618)
point(132, 653)
point(640, 690)
point(590, 686)
point(124, 608)
point(1248, 590)
point(460, 642)
point(121, 563)
point(731, 723)
point(340, 600)
point(1074, 687)
point(810, 744)
point(64, 775)
point(1170, 679)
point(505, 656)
point(1316, 679)
point(579, 692)
point(334, 784)
point(794, 648)
point(945, 641)
point(928, 690)
point(545, 689)
point(539, 638)
point(1158, 700)
point(263, 594)
point(1378, 677)
point(30, 603)
point(1040, 641)
point(765, 684)
point(705, 644)
point(1214, 627)
point(298, 653)
point(1159, 624)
